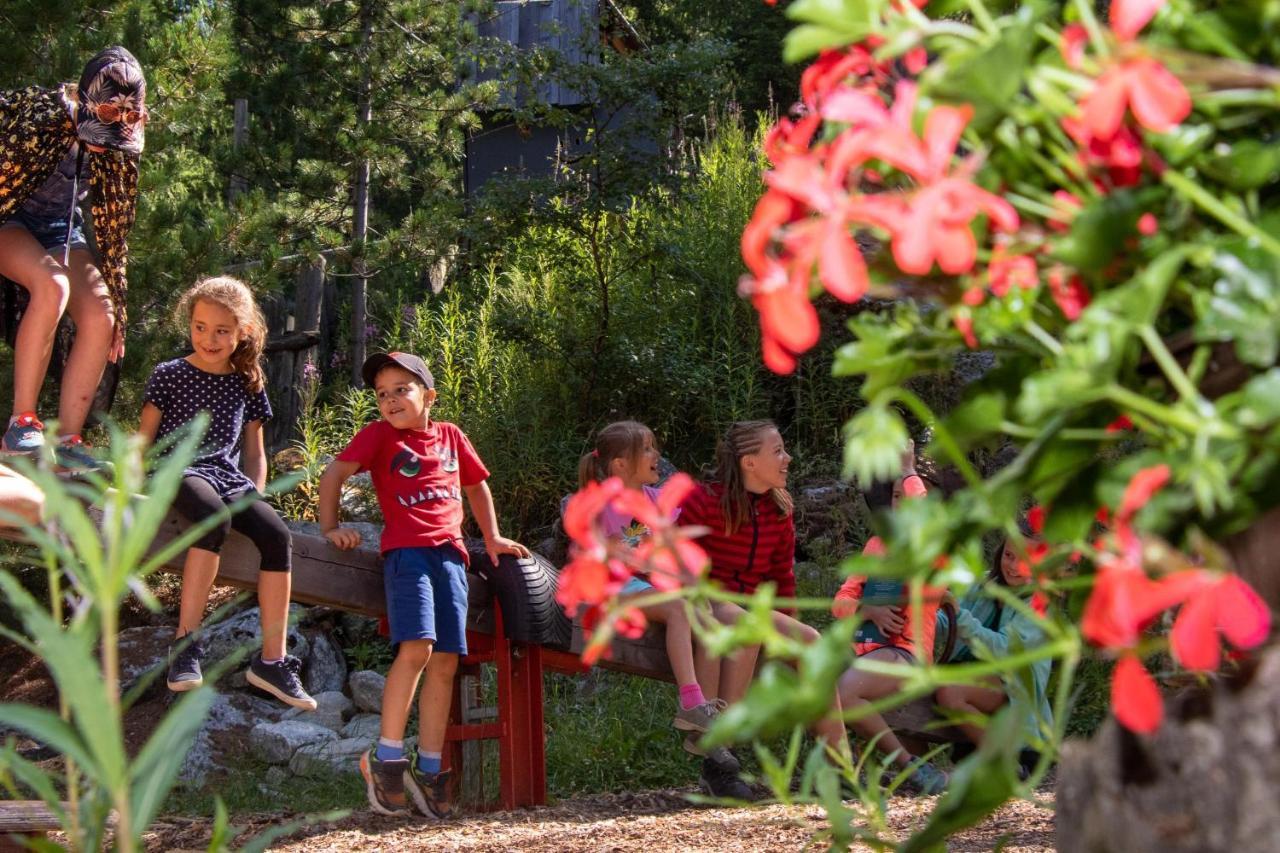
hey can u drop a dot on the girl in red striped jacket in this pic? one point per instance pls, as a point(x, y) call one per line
point(751, 540)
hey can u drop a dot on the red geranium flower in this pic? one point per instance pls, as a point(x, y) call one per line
point(1156, 97)
point(1223, 604)
point(1135, 698)
point(1069, 292)
point(1142, 486)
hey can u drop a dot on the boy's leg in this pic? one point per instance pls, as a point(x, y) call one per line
point(435, 701)
point(91, 310)
point(384, 767)
point(402, 681)
point(26, 262)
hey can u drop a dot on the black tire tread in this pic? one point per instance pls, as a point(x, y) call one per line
point(526, 591)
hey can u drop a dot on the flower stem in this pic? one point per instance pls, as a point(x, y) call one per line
point(982, 16)
point(1046, 340)
point(1091, 25)
point(1172, 370)
point(1207, 202)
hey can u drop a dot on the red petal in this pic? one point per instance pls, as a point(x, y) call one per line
point(956, 247)
point(915, 60)
point(840, 267)
point(1035, 518)
point(1243, 617)
point(1103, 108)
point(1135, 698)
point(942, 131)
point(772, 210)
point(1141, 488)
point(1158, 99)
point(913, 244)
point(673, 493)
point(1128, 17)
point(1071, 44)
point(581, 582)
point(775, 357)
point(788, 317)
point(1194, 641)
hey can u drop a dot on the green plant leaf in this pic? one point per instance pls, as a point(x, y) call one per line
point(1243, 305)
point(157, 765)
point(1099, 230)
point(1249, 164)
point(874, 441)
point(1260, 401)
point(50, 729)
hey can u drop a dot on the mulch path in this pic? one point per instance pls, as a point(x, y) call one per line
point(653, 821)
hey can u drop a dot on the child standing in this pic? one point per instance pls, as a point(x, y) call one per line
point(751, 540)
point(887, 634)
point(224, 378)
point(627, 450)
point(420, 469)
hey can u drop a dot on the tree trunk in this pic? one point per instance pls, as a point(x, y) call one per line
point(1205, 782)
point(360, 225)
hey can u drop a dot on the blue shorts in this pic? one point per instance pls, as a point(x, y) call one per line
point(427, 596)
point(50, 233)
point(635, 585)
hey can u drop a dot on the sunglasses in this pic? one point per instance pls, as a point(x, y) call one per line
point(110, 113)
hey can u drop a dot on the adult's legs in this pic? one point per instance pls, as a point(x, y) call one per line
point(858, 688)
point(971, 701)
point(90, 308)
point(26, 262)
point(734, 672)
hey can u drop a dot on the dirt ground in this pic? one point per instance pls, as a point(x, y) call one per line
point(654, 822)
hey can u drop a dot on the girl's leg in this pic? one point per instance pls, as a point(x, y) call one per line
point(196, 500)
point(830, 728)
point(435, 701)
point(971, 701)
point(679, 635)
point(26, 262)
point(857, 688)
point(91, 310)
point(736, 670)
point(268, 532)
point(402, 681)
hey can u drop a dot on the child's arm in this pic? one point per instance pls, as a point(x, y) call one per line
point(330, 491)
point(480, 499)
point(149, 423)
point(253, 456)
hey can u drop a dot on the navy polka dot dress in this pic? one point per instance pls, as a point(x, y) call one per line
point(180, 390)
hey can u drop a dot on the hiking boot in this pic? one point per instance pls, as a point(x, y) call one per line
point(281, 680)
point(721, 781)
point(927, 779)
point(429, 792)
point(24, 435)
point(384, 783)
point(720, 755)
point(700, 717)
point(72, 455)
point(184, 666)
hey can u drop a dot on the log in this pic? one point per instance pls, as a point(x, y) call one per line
point(28, 820)
point(1205, 782)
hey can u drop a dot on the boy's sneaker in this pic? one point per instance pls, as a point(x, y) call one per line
point(721, 780)
point(927, 779)
point(280, 679)
point(384, 783)
point(184, 666)
point(24, 435)
point(700, 717)
point(74, 456)
point(430, 792)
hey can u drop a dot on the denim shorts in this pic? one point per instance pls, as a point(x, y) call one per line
point(50, 233)
point(427, 596)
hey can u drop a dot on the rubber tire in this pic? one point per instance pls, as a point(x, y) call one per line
point(526, 591)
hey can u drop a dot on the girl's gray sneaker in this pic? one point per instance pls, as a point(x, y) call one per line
point(700, 717)
point(281, 680)
point(928, 780)
point(184, 666)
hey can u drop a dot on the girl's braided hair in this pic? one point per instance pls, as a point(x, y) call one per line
point(742, 439)
point(619, 440)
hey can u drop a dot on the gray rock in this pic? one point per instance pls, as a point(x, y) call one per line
point(366, 690)
point(367, 726)
point(241, 631)
point(326, 667)
point(332, 711)
point(230, 712)
point(323, 759)
point(273, 780)
point(141, 650)
point(277, 742)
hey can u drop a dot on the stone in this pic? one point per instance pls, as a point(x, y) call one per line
point(325, 758)
point(230, 712)
point(366, 690)
point(325, 668)
point(276, 743)
point(142, 650)
point(241, 631)
point(367, 726)
point(332, 711)
point(273, 780)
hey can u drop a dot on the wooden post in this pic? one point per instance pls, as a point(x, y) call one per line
point(239, 136)
point(293, 346)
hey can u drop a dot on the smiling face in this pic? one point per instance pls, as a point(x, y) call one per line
point(642, 469)
point(1013, 570)
point(215, 334)
point(402, 399)
point(766, 468)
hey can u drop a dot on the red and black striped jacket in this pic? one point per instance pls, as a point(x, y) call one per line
point(762, 549)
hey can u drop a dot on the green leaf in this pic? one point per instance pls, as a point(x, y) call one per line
point(988, 76)
point(977, 418)
point(1099, 230)
point(157, 765)
point(828, 23)
point(1248, 165)
point(1056, 467)
point(1260, 401)
point(1243, 306)
point(874, 440)
point(50, 729)
point(1052, 391)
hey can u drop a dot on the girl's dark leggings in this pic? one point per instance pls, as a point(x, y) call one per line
point(197, 500)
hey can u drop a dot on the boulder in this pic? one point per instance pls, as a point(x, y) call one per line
point(142, 650)
point(367, 726)
point(242, 631)
point(325, 668)
point(230, 712)
point(276, 743)
point(366, 690)
point(324, 758)
point(332, 711)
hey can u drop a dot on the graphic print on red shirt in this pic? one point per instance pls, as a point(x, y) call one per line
point(418, 476)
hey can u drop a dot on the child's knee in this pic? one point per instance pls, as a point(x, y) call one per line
point(21, 498)
point(442, 666)
point(950, 697)
point(806, 633)
point(415, 653)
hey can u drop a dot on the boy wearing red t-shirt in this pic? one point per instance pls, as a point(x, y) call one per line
point(420, 469)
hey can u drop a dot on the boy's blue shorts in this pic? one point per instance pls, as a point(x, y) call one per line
point(427, 596)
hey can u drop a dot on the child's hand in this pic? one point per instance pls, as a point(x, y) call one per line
point(889, 619)
point(343, 538)
point(502, 545)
